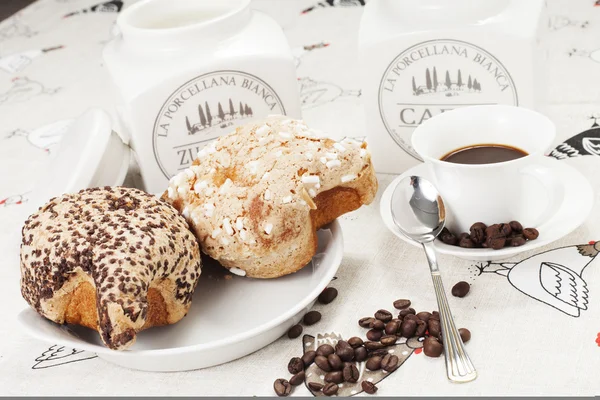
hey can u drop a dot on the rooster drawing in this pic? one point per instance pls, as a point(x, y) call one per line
point(113, 6)
point(314, 93)
point(14, 27)
point(60, 355)
point(13, 200)
point(300, 51)
point(315, 374)
point(17, 62)
point(45, 137)
point(582, 144)
point(558, 22)
point(554, 277)
point(593, 55)
point(24, 89)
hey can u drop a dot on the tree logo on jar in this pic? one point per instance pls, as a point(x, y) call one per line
point(204, 108)
point(435, 76)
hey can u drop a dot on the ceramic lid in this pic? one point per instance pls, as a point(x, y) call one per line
point(90, 154)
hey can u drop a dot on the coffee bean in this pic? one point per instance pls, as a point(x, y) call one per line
point(308, 358)
point(496, 243)
point(373, 346)
point(383, 315)
point(391, 328)
point(341, 344)
point(325, 350)
point(368, 387)
point(407, 311)
point(477, 234)
point(435, 315)
point(315, 386)
point(282, 387)
point(408, 328)
point(424, 316)
point(328, 295)
point(335, 377)
point(389, 340)
point(360, 354)
point(335, 362)
point(389, 362)
point(351, 373)
point(484, 245)
point(411, 316)
point(461, 289)
point(312, 317)
point(401, 304)
point(377, 324)
point(379, 353)
point(516, 241)
point(330, 389)
point(373, 363)
point(294, 331)
point(465, 334)
point(463, 236)
point(505, 229)
point(493, 230)
point(366, 322)
point(322, 363)
point(355, 342)
point(297, 379)
point(432, 347)
point(479, 225)
point(345, 353)
point(466, 243)
point(530, 233)
point(448, 238)
point(295, 365)
point(434, 327)
point(374, 335)
point(421, 328)
point(516, 226)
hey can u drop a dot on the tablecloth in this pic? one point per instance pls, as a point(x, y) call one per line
point(51, 70)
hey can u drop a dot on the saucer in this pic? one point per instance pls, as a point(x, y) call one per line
point(576, 205)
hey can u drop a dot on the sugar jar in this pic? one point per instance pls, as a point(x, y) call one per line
point(189, 71)
point(420, 58)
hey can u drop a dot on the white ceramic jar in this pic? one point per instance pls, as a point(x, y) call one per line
point(189, 71)
point(420, 58)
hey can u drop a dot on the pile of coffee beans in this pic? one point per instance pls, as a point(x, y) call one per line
point(496, 236)
point(339, 362)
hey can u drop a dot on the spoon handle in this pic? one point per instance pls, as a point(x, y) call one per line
point(459, 367)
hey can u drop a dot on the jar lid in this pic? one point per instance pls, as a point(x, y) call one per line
point(90, 154)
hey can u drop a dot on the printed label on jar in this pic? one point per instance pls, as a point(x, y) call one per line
point(205, 108)
point(435, 76)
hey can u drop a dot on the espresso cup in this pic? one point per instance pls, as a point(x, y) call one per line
point(523, 189)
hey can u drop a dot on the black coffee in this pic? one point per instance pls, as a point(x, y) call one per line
point(483, 154)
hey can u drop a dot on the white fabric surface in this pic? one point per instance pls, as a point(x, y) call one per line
point(520, 346)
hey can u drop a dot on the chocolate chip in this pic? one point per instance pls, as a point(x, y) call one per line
point(368, 387)
point(401, 304)
point(373, 363)
point(351, 373)
point(355, 342)
point(461, 289)
point(297, 379)
point(328, 295)
point(335, 377)
point(312, 317)
point(308, 358)
point(282, 387)
point(322, 363)
point(383, 315)
point(366, 322)
point(465, 334)
point(294, 331)
point(530, 233)
point(432, 347)
point(315, 386)
point(330, 389)
point(295, 365)
point(325, 350)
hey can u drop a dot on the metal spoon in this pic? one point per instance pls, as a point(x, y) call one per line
point(418, 211)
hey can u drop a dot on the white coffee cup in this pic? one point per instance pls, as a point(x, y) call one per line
point(520, 189)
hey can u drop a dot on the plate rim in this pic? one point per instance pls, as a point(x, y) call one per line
point(336, 234)
point(478, 254)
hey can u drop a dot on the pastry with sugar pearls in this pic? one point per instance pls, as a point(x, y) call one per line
point(256, 197)
point(115, 260)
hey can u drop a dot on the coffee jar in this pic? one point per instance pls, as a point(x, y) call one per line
point(420, 58)
point(188, 71)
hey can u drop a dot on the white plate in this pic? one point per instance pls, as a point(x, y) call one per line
point(229, 318)
point(575, 207)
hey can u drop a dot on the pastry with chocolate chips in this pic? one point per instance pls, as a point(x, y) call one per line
point(256, 197)
point(115, 260)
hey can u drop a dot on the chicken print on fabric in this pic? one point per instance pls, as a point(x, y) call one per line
point(583, 144)
point(403, 349)
point(113, 6)
point(554, 277)
point(24, 89)
point(13, 27)
point(335, 3)
point(46, 137)
point(301, 51)
point(60, 355)
point(593, 55)
point(16, 199)
point(558, 22)
point(314, 93)
point(17, 62)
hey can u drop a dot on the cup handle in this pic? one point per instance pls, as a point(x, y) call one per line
point(554, 190)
